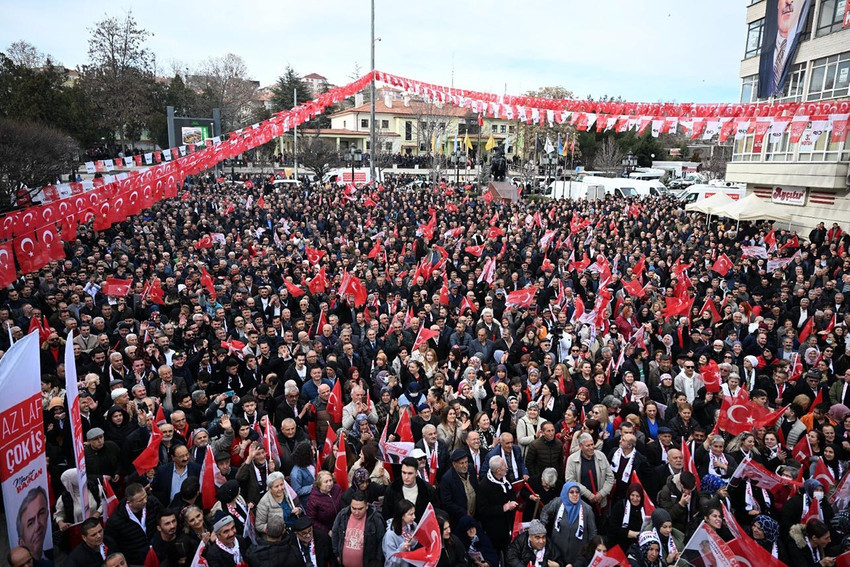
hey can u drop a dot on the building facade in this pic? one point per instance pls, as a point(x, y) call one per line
point(815, 175)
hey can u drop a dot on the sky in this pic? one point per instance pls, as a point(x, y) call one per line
point(641, 50)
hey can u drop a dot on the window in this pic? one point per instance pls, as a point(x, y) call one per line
point(368, 145)
point(511, 129)
point(388, 146)
point(830, 77)
point(502, 128)
point(831, 17)
point(494, 128)
point(754, 32)
point(778, 147)
point(364, 122)
point(408, 130)
point(824, 149)
point(744, 149)
point(749, 88)
point(385, 123)
point(794, 82)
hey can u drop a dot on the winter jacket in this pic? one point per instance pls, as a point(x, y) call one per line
point(543, 454)
point(323, 508)
point(373, 536)
point(269, 553)
point(520, 554)
point(124, 535)
point(604, 475)
point(684, 519)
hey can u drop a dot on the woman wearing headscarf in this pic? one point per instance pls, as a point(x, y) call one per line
point(572, 522)
point(798, 505)
point(646, 552)
point(69, 509)
point(627, 517)
point(749, 373)
point(640, 394)
point(836, 466)
point(672, 540)
point(765, 531)
point(714, 490)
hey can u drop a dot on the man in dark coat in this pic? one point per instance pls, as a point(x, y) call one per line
point(125, 534)
point(409, 480)
point(91, 550)
point(229, 548)
point(496, 504)
point(455, 487)
point(273, 550)
point(523, 550)
point(373, 532)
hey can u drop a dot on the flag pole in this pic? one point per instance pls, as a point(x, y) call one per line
point(295, 136)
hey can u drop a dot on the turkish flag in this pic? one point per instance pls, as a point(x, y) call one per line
point(475, 250)
point(151, 559)
point(614, 557)
point(466, 304)
point(318, 283)
point(429, 535)
point(51, 244)
point(495, 232)
point(117, 287)
point(314, 256)
point(28, 254)
point(711, 308)
point(335, 403)
point(634, 288)
point(111, 501)
point(8, 274)
point(424, 335)
point(341, 467)
point(208, 474)
point(648, 506)
point(688, 460)
point(403, 432)
point(802, 450)
point(293, 289)
point(328, 447)
point(369, 202)
point(676, 307)
point(807, 329)
point(813, 513)
point(149, 458)
point(207, 282)
point(738, 415)
point(376, 249)
point(640, 266)
point(824, 474)
point(203, 243)
point(444, 294)
point(793, 242)
point(770, 240)
point(748, 552)
point(353, 286)
point(711, 376)
point(522, 298)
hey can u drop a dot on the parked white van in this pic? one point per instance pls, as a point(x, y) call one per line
point(697, 193)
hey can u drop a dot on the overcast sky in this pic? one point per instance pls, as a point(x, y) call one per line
point(642, 50)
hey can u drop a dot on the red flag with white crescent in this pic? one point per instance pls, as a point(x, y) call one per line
point(428, 534)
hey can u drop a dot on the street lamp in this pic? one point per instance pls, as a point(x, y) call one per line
point(547, 161)
point(457, 158)
point(354, 157)
point(629, 163)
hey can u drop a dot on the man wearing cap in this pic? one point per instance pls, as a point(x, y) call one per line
point(688, 381)
point(531, 548)
point(458, 488)
point(273, 549)
point(103, 458)
point(229, 548)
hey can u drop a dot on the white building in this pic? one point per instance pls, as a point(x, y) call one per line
point(810, 181)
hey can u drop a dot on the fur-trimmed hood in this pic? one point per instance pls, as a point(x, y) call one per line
point(798, 535)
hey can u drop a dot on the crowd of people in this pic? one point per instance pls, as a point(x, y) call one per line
point(518, 411)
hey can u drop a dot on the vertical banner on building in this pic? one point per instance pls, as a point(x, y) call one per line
point(72, 391)
point(783, 26)
point(23, 471)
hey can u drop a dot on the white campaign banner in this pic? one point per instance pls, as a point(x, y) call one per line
point(23, 471)
point(72, 390)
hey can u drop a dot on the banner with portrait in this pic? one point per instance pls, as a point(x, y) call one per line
point(23, 472)
point(783, 25)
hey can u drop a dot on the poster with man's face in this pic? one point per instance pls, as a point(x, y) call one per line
point(23, 472)
point(783, 24)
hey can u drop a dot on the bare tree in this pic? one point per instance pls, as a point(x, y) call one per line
point(25, 54)
point(120, 76)
point(31, 155)
point(609, 157)
point(715, 164)
point(225, 84)
point(316, 154)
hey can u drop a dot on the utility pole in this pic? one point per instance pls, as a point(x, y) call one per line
point(372, 105)
point(295, 136)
